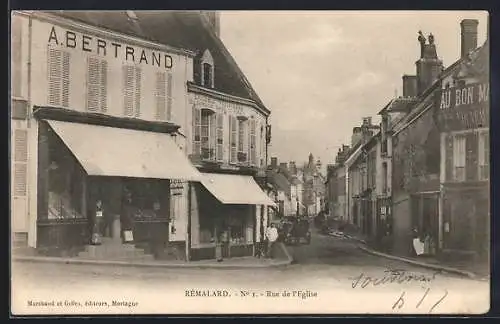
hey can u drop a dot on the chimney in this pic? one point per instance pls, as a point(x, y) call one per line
point(429, 66)
point(274, 163)
point(409, 85)
point(469, 36)
point(367, 121)
point(293, 167)
point(284, 166)
point(213, 18)
point(356, 136)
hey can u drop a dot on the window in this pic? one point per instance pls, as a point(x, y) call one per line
point(233, 131)
point(208, 134)
point(484, 156)
point(207, 70)
point(253, 142)
point(384, 177)
point(58, 75)
point(242, 140)
point(163, 96)
point(207, 75)
point(459, 158)
point(97, 84)
point(149, 198)
point(132, 91)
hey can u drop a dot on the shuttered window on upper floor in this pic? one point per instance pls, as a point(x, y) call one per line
point(220, 136)
point(58, 70)
point(252, 142)
point(233, 139)
point(132, 76)
point(16, 58)
point(163, 96)
point(20, 165)
point(97, 85)
point(196, 130)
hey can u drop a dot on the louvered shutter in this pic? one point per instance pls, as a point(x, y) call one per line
point(104, 86)
point(169, 96)
point(234, 139)
point(65, 79)
point(196, 130)
point(54, 69)
point(93, 84)
point(213, 136)
point(137, 99)
point(16, 50)
point(20, 161)
point(160, 95)
point(128, 90)
point(449, 157)
point(220, 136)
point(471, 165)
point(253, 155)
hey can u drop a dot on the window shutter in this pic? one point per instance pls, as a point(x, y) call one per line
point(160, 95)
point(169, 96)
point(16, 44)
point(20, 145)
point(234, 139)
point(253, 155)
point(138, 78)
point(93, 87)
point(196, 130)
point(20, 176)
point(20, 161)
point(220, 136)
point(104, 86)
point(54, 70)
point(471, 141)
point(65, 79)
point(449, 157)
point(128, 90)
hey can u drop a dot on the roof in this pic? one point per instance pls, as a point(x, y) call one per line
point(279, 181)
point(400, 104)
point(480, 52)
point(182, 29)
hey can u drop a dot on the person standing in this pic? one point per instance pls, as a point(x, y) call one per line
point(272, 236)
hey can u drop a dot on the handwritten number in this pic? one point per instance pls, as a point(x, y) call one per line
point(423, 297)
point(400, 302)
point(439, 301)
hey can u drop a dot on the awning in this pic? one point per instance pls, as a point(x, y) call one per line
point(110, 151)
point(235, 189)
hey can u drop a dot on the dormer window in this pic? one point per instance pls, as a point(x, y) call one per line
point(207, 70)
point(207, 75)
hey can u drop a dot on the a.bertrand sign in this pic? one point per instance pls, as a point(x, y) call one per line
point(464, 107)
point(105, 48)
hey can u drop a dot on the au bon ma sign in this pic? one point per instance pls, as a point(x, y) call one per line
point(464, 107)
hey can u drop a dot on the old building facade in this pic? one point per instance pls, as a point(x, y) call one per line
point(144, 103)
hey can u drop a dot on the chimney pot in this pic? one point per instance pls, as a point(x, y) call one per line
point(468, 36)
point(409, 85)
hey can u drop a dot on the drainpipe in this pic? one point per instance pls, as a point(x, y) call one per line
point(29, 116)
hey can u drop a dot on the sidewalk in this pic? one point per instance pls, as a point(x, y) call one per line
point(282, 260)
point(466, 269)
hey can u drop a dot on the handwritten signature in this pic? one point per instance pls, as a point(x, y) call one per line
point(391, 276)
point(400, 302)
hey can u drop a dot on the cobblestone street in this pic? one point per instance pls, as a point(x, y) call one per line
point(330, 271)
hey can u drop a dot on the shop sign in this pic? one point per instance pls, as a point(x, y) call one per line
point(464, 107)
point(176, 187)
point(106, 48)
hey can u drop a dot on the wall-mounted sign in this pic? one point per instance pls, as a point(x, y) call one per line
point(470, 95)
point(106, 48)
point(464, 107)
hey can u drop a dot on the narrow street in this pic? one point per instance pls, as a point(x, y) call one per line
point(325, 268)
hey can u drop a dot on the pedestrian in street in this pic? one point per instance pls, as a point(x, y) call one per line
point(272, 236)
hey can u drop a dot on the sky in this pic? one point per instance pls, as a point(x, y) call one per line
point(320, 72)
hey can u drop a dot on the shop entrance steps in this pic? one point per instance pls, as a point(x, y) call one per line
point(112, 249)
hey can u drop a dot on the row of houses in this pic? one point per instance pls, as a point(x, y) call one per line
point(424, 171)
point(297, 191)
point(146, 110)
